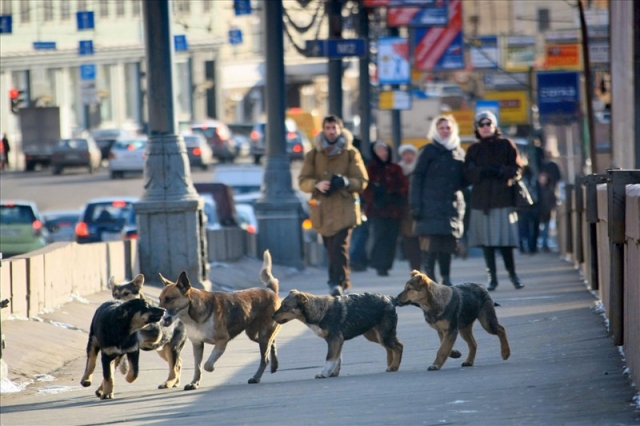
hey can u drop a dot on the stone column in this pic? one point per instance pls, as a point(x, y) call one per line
point(278, 210)
point(171, 222)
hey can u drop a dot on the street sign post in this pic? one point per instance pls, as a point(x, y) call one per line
point(235, 36)
point(242, 7)
point(336, 48)
point(85, 47)
point(88, 87)
point(180, 43)
point(558, 96)
point(6, 24)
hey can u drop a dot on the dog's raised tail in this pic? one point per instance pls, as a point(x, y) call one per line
point(266, 277)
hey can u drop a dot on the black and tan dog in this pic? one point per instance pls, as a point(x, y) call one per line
point(341, 318)
point(113, 332)
point(167, 341)
point(451, 310)
point(218, 317)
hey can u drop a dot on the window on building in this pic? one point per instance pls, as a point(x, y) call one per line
point(206, 5)
point(119, 8)
point(82, 5)
point(25, 11)
point(6, 8)
point(104, 9)
point(543, 20)
point(65, 10)
point(135, 7)
point(47, 5)
point(182, 6)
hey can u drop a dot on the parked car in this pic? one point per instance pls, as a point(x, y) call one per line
point(21, 228)
point(218, 137)
point(127, 156)
point(297, 142)
point(61, 224)
point(74, 153)
point(241, 178)
point(104, 219)
point(241, 134)
point(247, 218)
point(105, 138)
point(198, 151)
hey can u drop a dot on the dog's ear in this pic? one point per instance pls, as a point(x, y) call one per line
point(415, 272)
point(138, 281)
point(111, 285)
point(165, 281)
point(303, 299)
point(183, 282)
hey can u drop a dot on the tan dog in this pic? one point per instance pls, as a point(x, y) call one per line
point(216, 318)
point(341, 318)
point(453, 309)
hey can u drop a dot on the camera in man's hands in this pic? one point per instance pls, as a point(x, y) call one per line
point(337, 182)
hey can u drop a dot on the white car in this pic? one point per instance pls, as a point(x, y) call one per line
point(127, 156)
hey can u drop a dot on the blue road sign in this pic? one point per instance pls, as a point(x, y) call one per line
point(6, 24)
point(235, 36)
point(180, 43)
point(85, 47)
point(44, 45)
point(336, 48)
point(558, 96)
point(242, 7)
point(87, 72)
point(85, 20)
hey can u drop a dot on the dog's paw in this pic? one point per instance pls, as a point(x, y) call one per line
point(467, 364)
point(253, 380)
point(99, 393)
point(86, 383)
point(320, 376)
point(392, 369)
point(208, 367)
point(107, 396)
point(454, 354)
point(433, 367)
point(191, 386)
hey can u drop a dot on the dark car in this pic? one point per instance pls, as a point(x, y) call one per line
point(198, 151)
point(61, 224)
point(74, 153)
point(105, 139)
point(218, 137)
point(297, 143)
point(104, 219)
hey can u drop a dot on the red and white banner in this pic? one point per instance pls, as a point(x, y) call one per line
point(431, 45)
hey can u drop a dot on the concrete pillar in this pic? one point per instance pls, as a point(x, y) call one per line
point(278, 211)
point(171, 220)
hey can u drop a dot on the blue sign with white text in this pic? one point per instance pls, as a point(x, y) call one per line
point(336, 48)
point(44, 45)
point(84, 20)
point(180, 43)
point(235, 36)
point(558, 96)
point(6, 24)
point(242, 7)
point(87, 72)
point(85, 47)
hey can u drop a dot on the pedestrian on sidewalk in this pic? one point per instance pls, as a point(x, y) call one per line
point(358, 258)
point(334, 174)
point(436, 198)
point(4, 152)
point(410, 241)
point(385, 198)
point(492, 165)
point(547, 203)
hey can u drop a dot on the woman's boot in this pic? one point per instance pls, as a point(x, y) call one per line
point(510, 266)
point(444, 260)
point(490, 262)
point(430, 264)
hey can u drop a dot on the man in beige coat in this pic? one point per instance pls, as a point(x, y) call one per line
point(334, 173)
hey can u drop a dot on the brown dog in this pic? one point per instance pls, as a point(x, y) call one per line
point(453, 309)
point(218, 317)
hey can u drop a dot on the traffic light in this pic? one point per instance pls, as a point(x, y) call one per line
point(15, 96)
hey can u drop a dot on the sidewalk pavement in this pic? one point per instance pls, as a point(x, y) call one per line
point(564, 368)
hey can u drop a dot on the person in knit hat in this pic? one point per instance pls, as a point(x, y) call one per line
point(436, 198)
point(410, 242)
point(492, 166)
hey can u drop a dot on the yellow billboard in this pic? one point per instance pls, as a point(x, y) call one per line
point(514, 106)
point(464, 117)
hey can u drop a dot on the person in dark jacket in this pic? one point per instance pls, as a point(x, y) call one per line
point(436, 198)
point(410, 241)
point(492, 165)
point(384, 199)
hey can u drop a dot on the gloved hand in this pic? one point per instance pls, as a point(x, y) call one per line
point(338, 182)
point(490, 172)
point(415, 214)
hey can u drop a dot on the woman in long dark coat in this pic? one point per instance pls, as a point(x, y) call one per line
point(435, 196)
point(492, 165)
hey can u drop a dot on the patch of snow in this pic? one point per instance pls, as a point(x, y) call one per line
point(219, 265)
point(63, 325)
point(55, 389)
point(14, 317)
point(44, 378)
point(76, 297)
point(7, 386)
